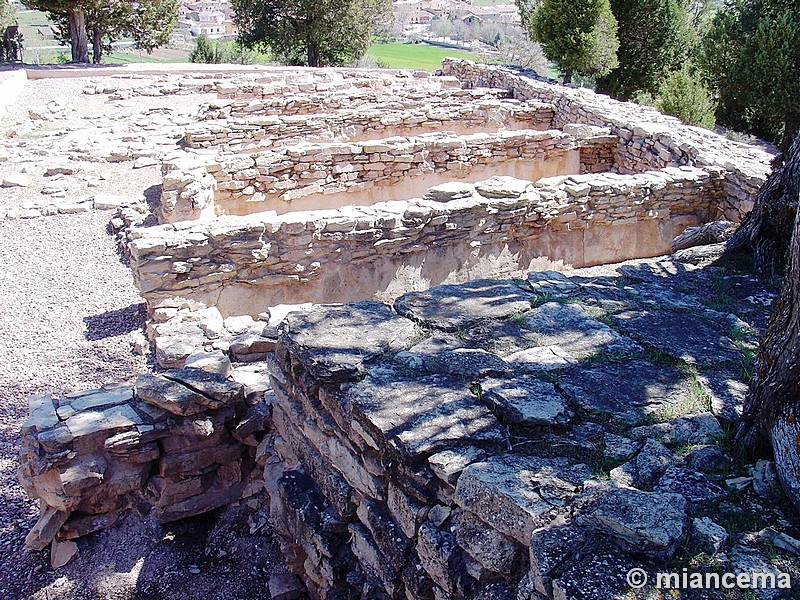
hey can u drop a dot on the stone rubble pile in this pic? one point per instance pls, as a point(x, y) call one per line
point(181, 443)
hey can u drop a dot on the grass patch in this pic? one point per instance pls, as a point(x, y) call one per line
point(414, 56)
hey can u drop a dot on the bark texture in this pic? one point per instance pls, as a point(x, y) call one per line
point(77, 36)
point(767, 229)
point(772, 407)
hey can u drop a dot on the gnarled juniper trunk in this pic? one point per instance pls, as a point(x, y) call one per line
point(772, 407)
point(767, 229)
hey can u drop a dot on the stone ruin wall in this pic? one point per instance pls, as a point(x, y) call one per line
point(645, 178)
point(457, 232)
point(314, 176)
point(370, 502)
point(648, 139)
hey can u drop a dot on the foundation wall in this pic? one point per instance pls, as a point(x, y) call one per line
point(648, 139)
point(456, 232)
point(324, 176)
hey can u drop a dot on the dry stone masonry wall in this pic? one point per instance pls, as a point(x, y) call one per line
point(648, 139)
point(180, 443)
point(357, 217)
point(456, 232)
point(312, 176)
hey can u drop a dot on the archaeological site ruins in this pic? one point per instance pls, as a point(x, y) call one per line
point(372, 294)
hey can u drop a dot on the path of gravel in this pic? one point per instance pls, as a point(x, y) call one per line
point(68, 312)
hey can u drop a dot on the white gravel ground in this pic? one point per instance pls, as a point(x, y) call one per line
point(68, 311)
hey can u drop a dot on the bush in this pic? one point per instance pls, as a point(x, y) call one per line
point(216, 52)
point(683, 95)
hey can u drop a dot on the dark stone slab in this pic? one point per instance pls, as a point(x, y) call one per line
point(692, 485)
point(455, 307)
point(220, 390)
point(644, 470)
point(526, 401)
point(552, 324)
point(335, 342)
point(681, 334)
point(422, 416)
point(632, 391)
point(172, 396)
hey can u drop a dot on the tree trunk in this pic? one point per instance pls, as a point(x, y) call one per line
point(97, 46)
point(772, 407)
point(313, 54)
point(767, 229)
point(77, 36)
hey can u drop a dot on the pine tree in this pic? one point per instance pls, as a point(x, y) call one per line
point(751, 59)
point(653, 42)
point(579, 35)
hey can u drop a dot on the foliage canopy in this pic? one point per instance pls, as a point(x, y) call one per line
point(752, 58)
point(312, 32)
point(579, 35)
point(653, 41)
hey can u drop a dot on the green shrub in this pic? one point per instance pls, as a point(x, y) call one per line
point(683, 95)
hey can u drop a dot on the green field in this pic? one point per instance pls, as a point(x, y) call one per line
point(414, 56)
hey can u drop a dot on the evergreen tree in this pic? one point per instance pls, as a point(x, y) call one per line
point(148, 22)
point(579, 35)
point(653, 41)
point(752, 59)
point(313, 32)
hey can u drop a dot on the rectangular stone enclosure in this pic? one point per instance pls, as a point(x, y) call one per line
point(288, 193)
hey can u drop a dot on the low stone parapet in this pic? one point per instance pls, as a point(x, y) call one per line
point(455, 232)
point(649, 139)
point(308, 103)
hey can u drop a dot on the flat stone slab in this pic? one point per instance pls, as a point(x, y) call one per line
point(644, 522)
point(632, 392)
point(681, 334)
point(552, 324)
point(691, 484)
point(423, 416)
point(645, 469)
point(335, 342)
point(526, 401)
point(553, 284)
point(447, 356)
point(540, 359)
point(514, 494)
point(501, 186)
point(172, 396)
point(455, 307)
point(693, 429)
point(220, 391)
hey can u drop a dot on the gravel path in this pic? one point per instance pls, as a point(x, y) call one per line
point(68, 313)
point(68, 310)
